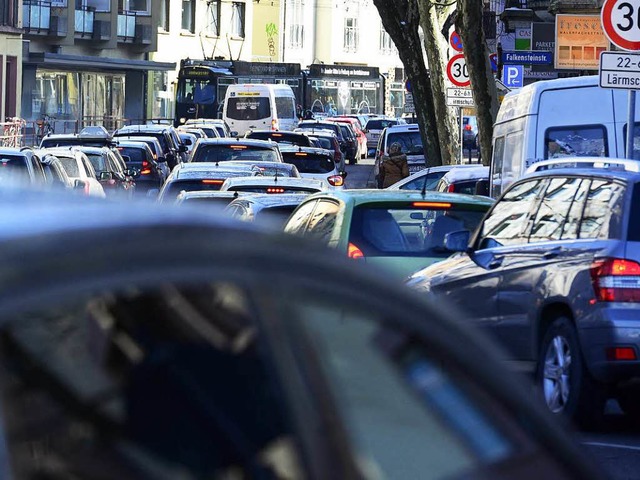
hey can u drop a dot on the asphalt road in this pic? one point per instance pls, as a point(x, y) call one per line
point(615, 446)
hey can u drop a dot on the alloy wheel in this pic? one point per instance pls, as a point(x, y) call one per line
point(556, 375)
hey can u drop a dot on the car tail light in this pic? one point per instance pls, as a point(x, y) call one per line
point(274, 124)
point(616, 280)
point(431, 204)
point(87, 188)
point(451, 188)
point(621, 353)
point(354, 252)
point(146, 168)
point(275, 190)
point(467, 127)
point(336, 180)
point(213, 182)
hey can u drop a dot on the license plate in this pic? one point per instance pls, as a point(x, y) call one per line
point(416, 168)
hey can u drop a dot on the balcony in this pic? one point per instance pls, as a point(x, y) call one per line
point(134, 27)
point(37, 16)
point(85, 16)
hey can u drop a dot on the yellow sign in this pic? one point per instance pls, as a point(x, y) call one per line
point(248, 94)
point(579, 41)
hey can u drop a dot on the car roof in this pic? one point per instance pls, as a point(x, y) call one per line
point(250, 142)
point(270, 200)
point(586, 172)
point(206, 169)
point(269, 181)
point(462, 174)
point(403, 127)
point(313, 150)
point(368, 196)
point(15, 152)
point(91, 149)
point(143, 128)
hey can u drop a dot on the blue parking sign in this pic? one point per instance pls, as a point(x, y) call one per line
point(512, 76)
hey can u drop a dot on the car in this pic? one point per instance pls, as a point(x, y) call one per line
point(352, 151)
point(408, 136)
point(267, 169)
point(426, 179)
point(324, 125)
point(174, 150)
point(469, 132)
point(21, 166)
point(117, 178)
point(152, 171)
point(272, 185)
point(211, 130)
point(200, 176)
point(374, 127)
point(282, 137)
point(188, 139)
point(55, 174)
point(230, 149)
point(556, 266)
point(328, 140)
point(156, 149)
point(218, 124)
point(266, 209)
point(359, 133)
point(463, 179)
point(226, 351)
point(396, 230)
point(314, 163)
point(94, 136)
point(207, 198)
point(79, 169)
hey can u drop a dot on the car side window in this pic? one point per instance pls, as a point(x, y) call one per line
point(297, 224)
point(88, 168)
point(507, 224)
point(602, 217)
point(578, 141)
point(553, 212)
point(431, 180)
point(323, 221)
point(572, 224)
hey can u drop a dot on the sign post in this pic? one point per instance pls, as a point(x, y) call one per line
point(622, 28)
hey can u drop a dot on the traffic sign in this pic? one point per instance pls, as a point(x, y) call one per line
point(513, 75)
point(620, 70)
point(460, 97)
point(493, 59)
point(409, 107)
point(621, 23)
point(457, 71)
point(459, 92)
point(455, 41)
point(527, 57)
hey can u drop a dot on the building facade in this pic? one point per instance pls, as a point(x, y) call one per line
point(10, 59)
point(197, 29)
point(87, 61)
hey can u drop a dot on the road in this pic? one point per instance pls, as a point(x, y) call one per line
point(616, 445)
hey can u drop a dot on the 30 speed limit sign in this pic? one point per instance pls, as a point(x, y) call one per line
point(621, 23)
point(457, 71)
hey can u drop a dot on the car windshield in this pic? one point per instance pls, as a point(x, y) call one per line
point(325, 142)
point(98, 161)
point(248, 108)
point(13, 168)
point(282, 137)
point(407, 230)
point(378, 124)
point(410, 142)
point(135, 154)
point(175, 187)
point(224, 153)
point(309, 162)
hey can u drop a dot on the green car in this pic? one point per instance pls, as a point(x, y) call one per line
point(402, 231)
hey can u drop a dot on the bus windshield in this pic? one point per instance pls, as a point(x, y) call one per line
point(197, 90)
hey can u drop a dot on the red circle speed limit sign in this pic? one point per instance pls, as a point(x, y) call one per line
point(621, 23)
point(457, 71)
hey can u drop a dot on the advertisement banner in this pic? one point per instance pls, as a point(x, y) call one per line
point(579, 41)
point(543, 37)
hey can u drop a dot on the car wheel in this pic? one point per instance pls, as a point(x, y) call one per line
point(629, 401)
point(567, 386)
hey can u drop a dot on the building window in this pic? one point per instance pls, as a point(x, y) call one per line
point(386, 45)
point(96, 5)
point(163, 20)
point(9, 13)
point(296, 23)
point(350, 34)
point(188, 15)
point(212, 26)
point(139, 6)
point(237, 19)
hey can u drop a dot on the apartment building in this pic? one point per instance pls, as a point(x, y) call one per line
point(10, 59)
point(197, 29)
point(87, 61)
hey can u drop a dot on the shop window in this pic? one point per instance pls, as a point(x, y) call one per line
point(188, 15)
point(238, 19)
point(212, 26)
point(350, 34)
point(56, 94)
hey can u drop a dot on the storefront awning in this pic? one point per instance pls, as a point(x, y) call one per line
point(58, 60)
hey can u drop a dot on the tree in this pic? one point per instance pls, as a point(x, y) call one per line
point(401, 20)
point(476, 53)
point(433, 18)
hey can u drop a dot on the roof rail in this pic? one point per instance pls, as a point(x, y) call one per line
point(624, 164)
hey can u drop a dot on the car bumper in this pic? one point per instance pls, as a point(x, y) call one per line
point(614, 327)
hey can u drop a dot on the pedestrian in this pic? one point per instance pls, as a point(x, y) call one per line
point(393, 167)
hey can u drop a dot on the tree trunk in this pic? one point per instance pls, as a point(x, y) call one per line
point(401, 21)
point(432, 18)
point(476, 53)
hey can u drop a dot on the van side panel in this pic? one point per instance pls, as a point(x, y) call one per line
point(621, 110)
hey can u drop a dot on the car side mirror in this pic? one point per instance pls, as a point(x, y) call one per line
point(105, 176)
point(234, 134)
point(126, 158)
point(132, 172)
point(182, 148)
point(161, 160)
point(79, 184)
point(482, 187)
point(457, 241)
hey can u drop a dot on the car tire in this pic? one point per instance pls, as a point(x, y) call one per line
point(629, 401)
point(567, 387)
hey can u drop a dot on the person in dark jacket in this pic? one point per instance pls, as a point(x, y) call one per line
point(393, 167)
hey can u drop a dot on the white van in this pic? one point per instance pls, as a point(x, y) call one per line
point(557, 118)
point(259, 107)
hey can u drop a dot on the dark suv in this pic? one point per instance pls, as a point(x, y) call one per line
point(553, 272)
point(175, 151)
